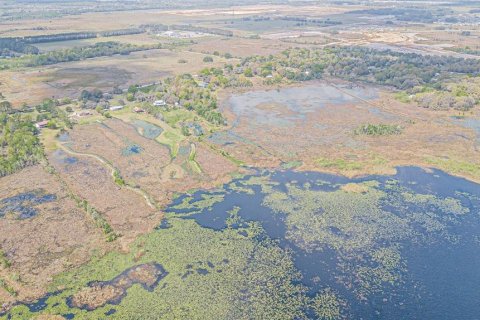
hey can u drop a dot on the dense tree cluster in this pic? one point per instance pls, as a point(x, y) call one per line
point(221, 32)
point(100, 49)
point(94, 95)
point(12, 47)
point(461, 95)
point(19, 144)
point(16, 46)
point(400, 70)
point(183, 91)
point(121, 32)
point(428, 79)
point(59, 37)
point(300, 19)
point(186, 91)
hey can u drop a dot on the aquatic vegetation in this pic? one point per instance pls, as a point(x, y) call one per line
point(233, 219)
point(263, 181)
point(358, 187)
point(356, 230)
point(237, 187)
point(237, 276)
point(281, 245)
point(327, 305)
point(195, 205)
point(23, 205)
point(363, 226)
point(448, 205)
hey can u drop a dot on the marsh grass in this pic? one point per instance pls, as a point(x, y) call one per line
point(242, 277)
point(456, 166)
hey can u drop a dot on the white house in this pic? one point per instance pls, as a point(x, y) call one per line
point(41, 124)
point(159, 103)
point(115, 108)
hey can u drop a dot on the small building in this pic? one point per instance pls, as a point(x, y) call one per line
point(138, 110)
point(202, 84)
point(115, 108)
point(159, 103)
point(41, 124)
point(83, 113)
point(107, 96)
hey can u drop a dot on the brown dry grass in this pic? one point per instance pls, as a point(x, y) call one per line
point(60, 237)
point(328, 133)
point(69, 79)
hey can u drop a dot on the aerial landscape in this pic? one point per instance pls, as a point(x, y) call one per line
point(278, 159)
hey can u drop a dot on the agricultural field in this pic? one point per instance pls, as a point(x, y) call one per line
point(239, 160)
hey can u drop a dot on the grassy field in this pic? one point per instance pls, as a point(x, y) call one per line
point(69, 79)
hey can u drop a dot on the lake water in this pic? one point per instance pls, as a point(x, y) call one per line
point(405, 246)
point(400, 247)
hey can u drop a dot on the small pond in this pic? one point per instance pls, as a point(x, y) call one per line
point(147, 129)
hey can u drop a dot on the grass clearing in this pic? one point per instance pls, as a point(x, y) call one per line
point(172, 117)
point(340, 164)
point(455, 166)
point(48, 137)
point(172, 140)
point(191, 159)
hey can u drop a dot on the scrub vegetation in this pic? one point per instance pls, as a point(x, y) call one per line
point(19, 144)
point(378, 130)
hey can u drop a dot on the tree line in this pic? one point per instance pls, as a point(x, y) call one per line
point(100, 49)
point(13, 46)
point(19, 143)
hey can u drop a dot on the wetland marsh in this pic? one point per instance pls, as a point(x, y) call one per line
point(239, 160)
point(339, 248)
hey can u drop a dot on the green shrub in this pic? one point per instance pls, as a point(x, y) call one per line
point(378, 129)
